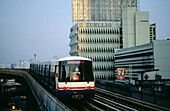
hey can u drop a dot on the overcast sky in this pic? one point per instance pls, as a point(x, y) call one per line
point(42, 27)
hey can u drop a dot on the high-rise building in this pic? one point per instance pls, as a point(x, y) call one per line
point(99, 10)
point(135, 27)
point(97, 41)
point(103, 26)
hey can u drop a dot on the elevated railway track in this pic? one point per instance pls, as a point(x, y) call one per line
point(103, 100)
point(108, 101)
point(125, 103)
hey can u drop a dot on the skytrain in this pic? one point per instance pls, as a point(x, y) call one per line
point(70, 77)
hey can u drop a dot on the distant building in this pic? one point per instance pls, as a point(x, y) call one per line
point(13, 66)
point(24, 64)
point(1, 65)
point(148, 59)
point(152, 32)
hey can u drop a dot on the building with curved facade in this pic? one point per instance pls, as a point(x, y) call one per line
point(97, 41)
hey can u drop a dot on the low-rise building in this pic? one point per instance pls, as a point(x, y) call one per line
point(144, 61)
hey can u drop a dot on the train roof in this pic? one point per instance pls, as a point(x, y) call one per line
point(53, 61)
point(73, 58)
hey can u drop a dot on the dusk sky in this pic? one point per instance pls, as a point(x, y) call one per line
point(42, 27)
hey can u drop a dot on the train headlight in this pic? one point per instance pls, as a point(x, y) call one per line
point(13, 107)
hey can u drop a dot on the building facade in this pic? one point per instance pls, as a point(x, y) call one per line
point(103, 26)
point(99, 10)
point(97, 41)
point(150, 59)
point(152, 32)
point(136, 27)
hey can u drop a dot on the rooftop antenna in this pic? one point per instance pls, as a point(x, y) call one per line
point(35, 58)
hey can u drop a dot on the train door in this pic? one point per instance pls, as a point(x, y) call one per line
point(52, 76)
point(56, 77)
point(41, 71)
point(68, 83)
point(49, 71)
point(45, 74)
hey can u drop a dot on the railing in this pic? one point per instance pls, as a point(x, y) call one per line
point(46, 101)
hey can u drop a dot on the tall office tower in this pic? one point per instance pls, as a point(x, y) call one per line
point(97, 41)
point(136, 27)
point(99, 10)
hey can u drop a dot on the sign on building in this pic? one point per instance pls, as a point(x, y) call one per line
point(120, 73)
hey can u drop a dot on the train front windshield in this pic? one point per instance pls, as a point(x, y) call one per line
point(72, 71)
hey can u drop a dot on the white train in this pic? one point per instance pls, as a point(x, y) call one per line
point(69, 76)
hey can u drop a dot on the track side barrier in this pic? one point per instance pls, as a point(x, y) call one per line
point(46, 101)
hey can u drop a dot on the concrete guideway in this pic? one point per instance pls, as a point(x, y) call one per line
point(135, 103)
point(46, 101)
